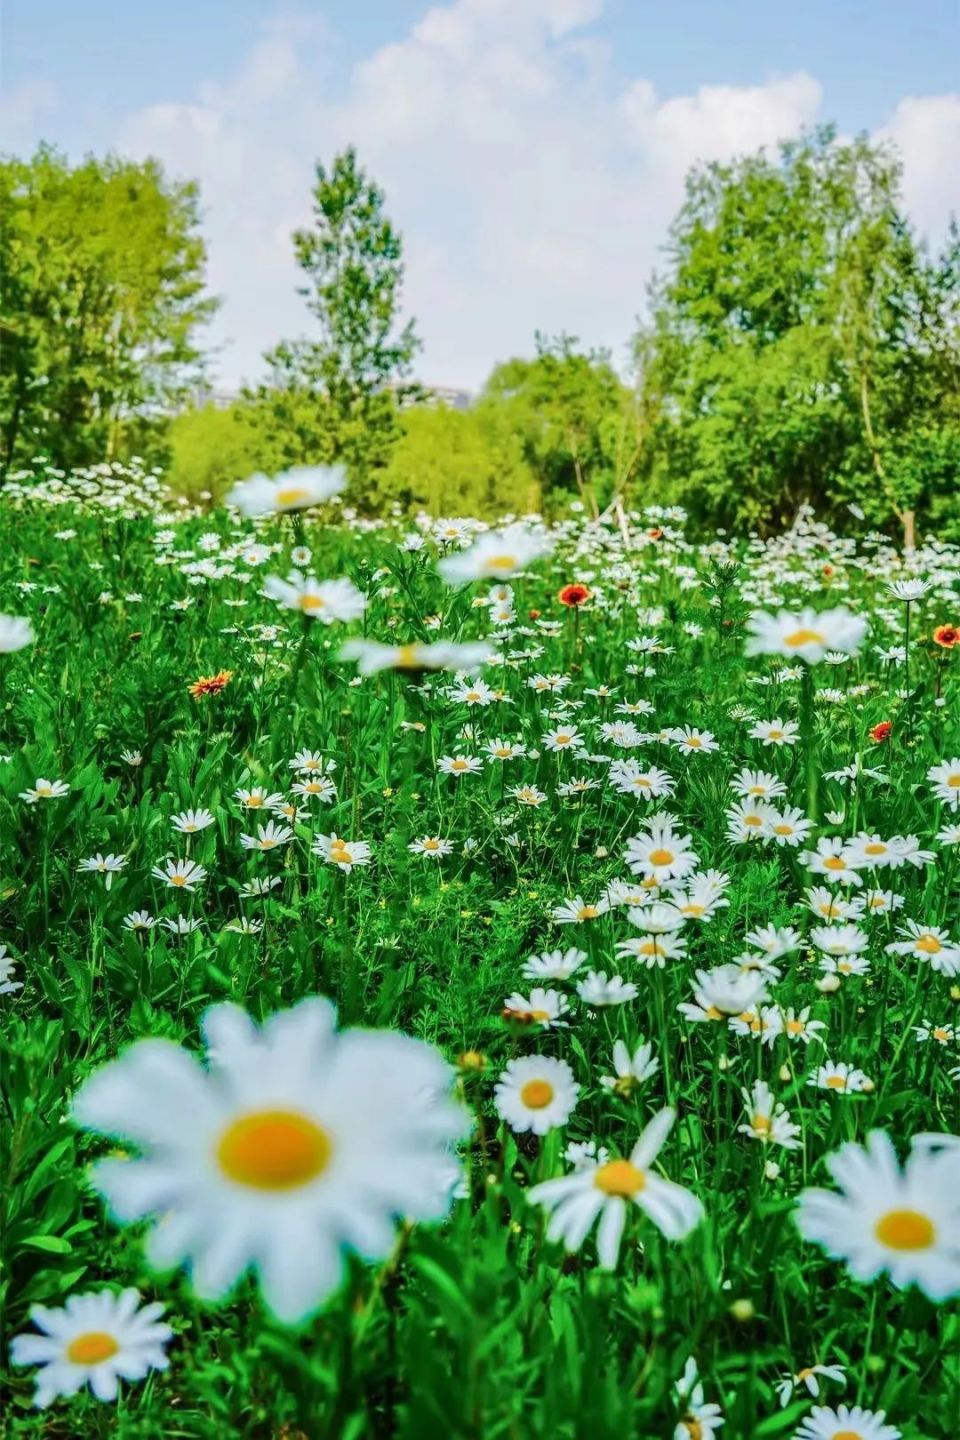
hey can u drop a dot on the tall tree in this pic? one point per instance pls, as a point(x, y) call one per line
point(102, 274)
point(803, 346)
point(576, 419)
point(336, 396)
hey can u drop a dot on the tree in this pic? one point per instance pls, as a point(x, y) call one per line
point(802, 346)
point(103, 281)
point(576, 419)
point(460, 462)
point(337, 396)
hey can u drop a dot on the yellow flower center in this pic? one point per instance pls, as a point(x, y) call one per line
point(803, 637)
point(847, 1435)
point(648, 947)
point(536, 1094)
point(502, 562)
point(178, 879)
point(905, 1230)
point(761, 1123)
point(794, 1027)
point(641, 781)
point(752, 820)
point(783, 829)
point(292, 495)
point(953, 781)
point(459, 765)
point(834, 862)
point(712, 1013)
point(340, 855)
point(408, 657)
point(929, 944)
point(253, 801)
point(661, 857)
point(562, 740)
point(431, 844)
point(836, 1082)
point(694, 742)
point(540, 1015)
point(692, 908)
point(92, 1348)
point(587, 912)
point(874, 849)
point(503, 752)
point(273, 1150)
point(942, 1035)
point(619, 1177)
point(774, 734)
point(308, 601)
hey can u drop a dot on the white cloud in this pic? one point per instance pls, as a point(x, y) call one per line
point(926, 130)
point(533, 185)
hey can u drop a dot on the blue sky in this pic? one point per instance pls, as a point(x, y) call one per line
point(555, 222)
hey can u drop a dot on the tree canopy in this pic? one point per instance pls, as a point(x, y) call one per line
point(803, 346)
point(102, 269)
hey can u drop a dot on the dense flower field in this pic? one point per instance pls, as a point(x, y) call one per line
point(468, 982)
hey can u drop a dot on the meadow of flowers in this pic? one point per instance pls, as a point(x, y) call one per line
point(474, 981)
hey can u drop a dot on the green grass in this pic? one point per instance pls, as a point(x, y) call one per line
point(478, 1327)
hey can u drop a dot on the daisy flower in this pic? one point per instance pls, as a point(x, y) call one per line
point(108, 865)
point(96, 1339)
point(577, 911)
point(904, 1220)
point(504, 749)
point(543, 1007)
point(787, 827)
point(189, 822)
point(945, 780)
point(835, 859)
point(775, 732)
point(553, 964)
point(807, 635)
point(326, 600)
point(809, 1377)
point(701, 1420)
point(431, 846)
point(536, 1093)
point(757, 785)
point(600, 1192)
point(929, 943)
point(693, 742)
point(660, 852)
point(294, 1142)
point(345, 854)
point(317, 787)
point(258, 798)
point(596, 989)
point(563, 738)
point(296, 489)
point(846, 1423)
point(139, 920)
point(768, 1120)
point(8, 986)
point(44, 790)
point(842, 1078)
point(630, 1071)
point(630, 778)
point(494, 555)
point(268, 837)
point(180, 874)
point(458, 765)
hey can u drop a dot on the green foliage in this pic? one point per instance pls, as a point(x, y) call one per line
point(212, 447)
point(462, 462)
point(575, 420)
point(335, 397)
point(479, 1328)
point(803, 347)
point(103, 273)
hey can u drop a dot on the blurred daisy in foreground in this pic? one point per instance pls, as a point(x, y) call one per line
point(807, 635)
point(292, 490)
point(601, 1191)
point(371, 656)
point(902, 1220)
point(97, 1339)
point(294, 1143)
point(495, 555)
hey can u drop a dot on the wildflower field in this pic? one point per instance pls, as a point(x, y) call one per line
point(474, 981)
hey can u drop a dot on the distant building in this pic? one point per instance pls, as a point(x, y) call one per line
point(449, 395)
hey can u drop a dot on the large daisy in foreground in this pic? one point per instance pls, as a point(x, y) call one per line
point(295, 1142)
point(905, 1221)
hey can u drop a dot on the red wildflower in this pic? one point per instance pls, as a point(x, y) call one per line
point(210, 684)
point(881, 732)
point(946, 636)
point(573, 595)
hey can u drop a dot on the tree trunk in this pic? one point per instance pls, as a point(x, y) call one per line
point(908, 520)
